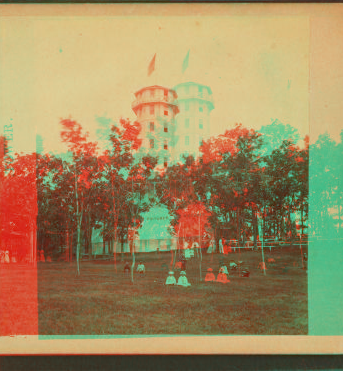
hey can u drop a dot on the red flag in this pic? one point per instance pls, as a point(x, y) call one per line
point(151, 67)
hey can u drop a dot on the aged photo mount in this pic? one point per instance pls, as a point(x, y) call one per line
point(171, 179)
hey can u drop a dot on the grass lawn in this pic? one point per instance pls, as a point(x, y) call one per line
point(102, 301)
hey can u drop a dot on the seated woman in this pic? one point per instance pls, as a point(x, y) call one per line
point(222, 276)
point(224, 268)
point(182, 281)
point(233, 265)
point(171, 279)
point(245, 272)
point(210, 277)
point(141, 269)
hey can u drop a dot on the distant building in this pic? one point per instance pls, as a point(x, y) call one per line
point(156, 107)
point(195, 103)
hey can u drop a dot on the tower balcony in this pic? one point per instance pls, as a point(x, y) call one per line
point(154, 100)
point(206, 98)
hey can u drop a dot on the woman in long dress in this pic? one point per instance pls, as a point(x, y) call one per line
point(171, 279)
point(182, 281)
point(222, 276)
point(210, 277)
point(7, 257)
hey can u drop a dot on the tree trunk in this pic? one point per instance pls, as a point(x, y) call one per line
point(254, 228)
point(238, 226)
point(67, 245)
point(122, 247)
point(133, 258)
point(262, 244)
point(78, 247)
point(200, 252)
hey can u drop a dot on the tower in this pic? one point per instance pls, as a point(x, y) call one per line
point(193, 122)
point(156, 107)
point(39, 144)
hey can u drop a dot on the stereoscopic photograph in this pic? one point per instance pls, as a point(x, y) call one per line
point(155, 173)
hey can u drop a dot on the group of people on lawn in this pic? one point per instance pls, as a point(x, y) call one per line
point(222, 276)
point(7, 257)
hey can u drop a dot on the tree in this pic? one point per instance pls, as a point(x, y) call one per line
point(85, 171)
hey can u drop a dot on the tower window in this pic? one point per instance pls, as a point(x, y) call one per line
point(152, 143)
point(201, 124)
point(187, 89)
point(200, 91)
point(165, 146)
point(165, 128)
point(165, 113)
point(152, 110)
point(200, 109)
point(152, 126)
point(200, 141)
point(187, 123)
point(165, 162)
point(186, 106)
point(186, 140)
point(152, 93)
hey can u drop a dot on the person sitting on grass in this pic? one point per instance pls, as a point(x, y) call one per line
point(233, 265)
point(141, 269)
point(222, 276)
point(182, 281)
point(245, 272)
point(171, 279)
point(127, 269)
point(210, 277)
point(224, 267)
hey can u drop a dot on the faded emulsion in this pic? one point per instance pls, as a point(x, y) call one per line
point(164, 229)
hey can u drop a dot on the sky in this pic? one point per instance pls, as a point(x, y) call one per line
point(84, 67)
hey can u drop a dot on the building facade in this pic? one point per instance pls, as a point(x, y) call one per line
point(156, 107)
point(195, 104)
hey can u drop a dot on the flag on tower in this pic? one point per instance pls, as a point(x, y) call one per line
point(185, 62)
point(151, 67)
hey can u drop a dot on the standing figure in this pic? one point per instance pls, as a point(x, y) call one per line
point(182, 281)
point(42, 258)
point(141, 269)
point(127, 269)
point(7, 257)
point(210, 277)
point(2, 256)
point(262, 266)
point(221, 250)
point(171, 279)
point(183, 263)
